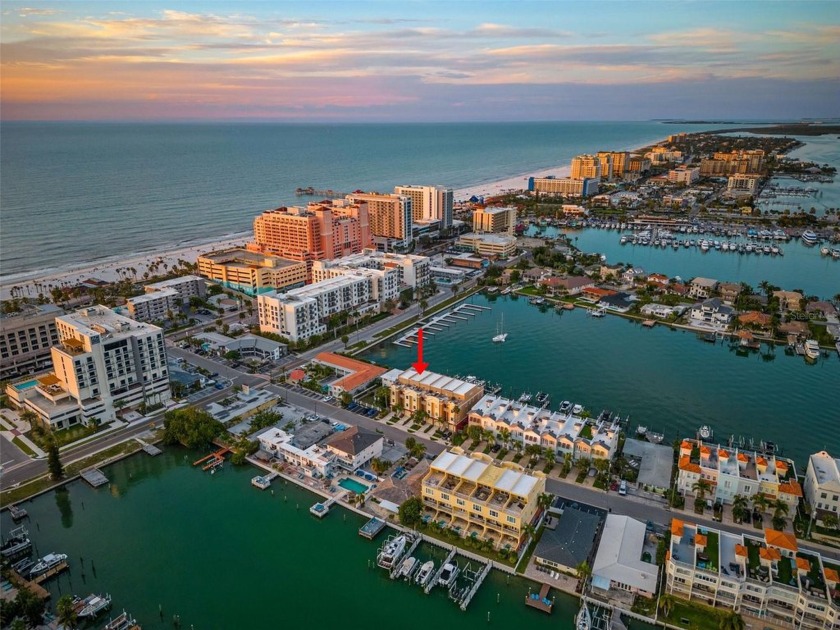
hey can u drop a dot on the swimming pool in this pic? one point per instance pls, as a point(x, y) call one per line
point(353, 486)
point(21, 386)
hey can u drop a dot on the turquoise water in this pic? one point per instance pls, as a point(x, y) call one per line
point(224, 555)
point(21, 386)
point(141, 187)
point(801, 267)
point(665, 379)
point(353, 486)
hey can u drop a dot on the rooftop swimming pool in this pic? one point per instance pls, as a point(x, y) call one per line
point(353, 486)
point(21, 386)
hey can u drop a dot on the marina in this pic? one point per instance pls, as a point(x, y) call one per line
point(441, 322)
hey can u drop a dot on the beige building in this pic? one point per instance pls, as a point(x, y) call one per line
point(566, 186)
point(444, 400)
point(103, 362)
point(742, 183)
point(586, 167)
point(479, 499)
point(767, 577)
point(412, 270)
point(154, 307)
point(429, 203)
point(618, 162)
point(489, 245)
point(822, 485)
point(252, 272)
point(26, 338)
point(683, 175)
point(494, 220)
point(390, 218)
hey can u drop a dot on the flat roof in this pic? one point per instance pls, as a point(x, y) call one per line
point(620, 552)
point(657, 461)
point(496, 477)
point(101, 320)
point(571, 542)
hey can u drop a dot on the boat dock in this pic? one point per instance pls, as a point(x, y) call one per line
point(433, 582)
point(395, 569)
point(322, 509)
point(151, 449)
point(441, 321)
point(263, 482)
point(94, 477)
point(649, 323)
point(371, 529)
point(476, 579)
point(540, 600)
point(213, 459)
point(54, 571)
point(33, 587)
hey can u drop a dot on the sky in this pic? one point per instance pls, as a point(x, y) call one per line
point(391, 60)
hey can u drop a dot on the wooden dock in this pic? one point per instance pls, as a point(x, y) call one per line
point(371, 529)
point(94, 477)
point(538, 601)
point(54, 571)
point(33, 587)
point(649, 323)
point(213, 459)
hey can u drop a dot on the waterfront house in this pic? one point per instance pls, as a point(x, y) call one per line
point(619, 563)
point(570, 285)
point(789, 300)
point(755, 320)
point(662, 310)
point(822, 485)
point(826, 309)
point(594, 294)
point(711, 313)
point(678, 288)
point(610, 272)
point(732, 471)
point(353, 375)
point(314, 460)
point(534, 275)
point(443, 399)
point(354, 447)
point(729, 291)
point(475, 498)
point(702, 288)
point(568, 540)
point(765, 577)
point(632, 275)
point(795, 329)
point(620, 302)
point(658, 279)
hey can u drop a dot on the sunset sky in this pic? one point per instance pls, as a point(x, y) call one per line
point(418, 61)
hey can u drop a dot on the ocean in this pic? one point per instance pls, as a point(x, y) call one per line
point(82, 192)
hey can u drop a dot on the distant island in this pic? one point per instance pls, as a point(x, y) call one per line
point(789, 129)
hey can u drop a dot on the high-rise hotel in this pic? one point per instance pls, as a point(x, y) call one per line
point(429, 203)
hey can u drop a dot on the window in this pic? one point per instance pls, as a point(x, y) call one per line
point(511, 519)
point(459, 501)
point(476, 507)
point(494, 514)
point(445, 497)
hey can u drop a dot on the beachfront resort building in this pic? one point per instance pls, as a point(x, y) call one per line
point(489, 245)
point(767, 577)
point(566, 186)
point(563, 433)
point(617, 161)
point(586, 167)
point(429, 204)
point(412, 270)
point(476, 498)
point(329, 229)
point(163, 300)
point(103, 362)
point(494, 220)
point(390, 216)
point(822, 485)
point(731, 471)
point(252, 272)
point(352, 375)
point(301, 313)
point(186, 286)
point(440, 399)
point(26, 337)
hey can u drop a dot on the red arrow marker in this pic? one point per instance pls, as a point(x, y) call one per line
point(419, 366)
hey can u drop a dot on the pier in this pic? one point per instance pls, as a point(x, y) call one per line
point(33, 587)
point(54, 571)
point(473, 588)
point(441, 321)
point(213, 459)
point(433, 582)
point(395, 569)
point(540, 601)
point(263, 482)
point(321, 509)
point(371, 529)
point(94, 477)
point(151, 449)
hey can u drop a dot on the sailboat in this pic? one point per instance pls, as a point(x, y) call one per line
point(501, 336)
point(583, 620)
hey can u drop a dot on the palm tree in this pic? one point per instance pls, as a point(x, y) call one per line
point(700, 488)
point(759, 502)
point(504, 435)
point(740, 506)
point(66, 611)
point(780, 511)
point(730, 620)
point(666, 604)
point(583, 570)
point(544, 500)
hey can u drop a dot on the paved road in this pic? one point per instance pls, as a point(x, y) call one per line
point(237, 377)
point(10, 455)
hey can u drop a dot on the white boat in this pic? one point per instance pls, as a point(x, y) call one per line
point(809, 237)
point(501, 336)
point(50, 561)
point(641, 430)
point(812, 349)
point(392, 552)
point(705, 432)
point(92, 605)
point(835, 253)
point(427, 570)
point(565, 407)
point(407, 567)
point(583, 620)
point(17, 543)
point(122, 622)
point(577, 410)
point(448, 575)
point(655, 438)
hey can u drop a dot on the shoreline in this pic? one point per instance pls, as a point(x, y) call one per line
point(106, 268)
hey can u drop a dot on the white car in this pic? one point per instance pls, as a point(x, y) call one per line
point(622, 488)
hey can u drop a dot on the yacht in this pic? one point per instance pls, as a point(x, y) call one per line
point(501, 336)
point(92, 605)
point(21, 567)
point(542, 399)
point(525, 397)
point(809, 237)
point(583, 621)
point(407, 567)
point(641, 430)
point(812, 349)
point(427, 570)
point(565, 407)
point(17, 543)
point(392, 552)
point(623, 240)
point(835, 253)
point(448, 575)
point(577, 410)
point(655, 438)
point(48, 562)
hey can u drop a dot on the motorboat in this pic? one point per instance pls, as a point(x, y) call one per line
point(577, 410)
point(407, 567)
point(583, 620)
point(641, 430)
point(525, 397)
point(655, 438)
point(448, 574)
point(812, 349)
point(809, 237)
point(17, 513)
point(835, 253)
point(392, 552)
point(565, 407)
point(123, 621)
point(21, 567)
point(17, 543)
point(92, 605)
point(427, 570)
point(45, 564)
point(825, 251)
point(542, 399)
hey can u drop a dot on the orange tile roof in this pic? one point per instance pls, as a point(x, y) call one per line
point(686, 464)
point(740, 550)
point(743, 458)
point(803, 564)
point(761, 461)
point(705, 450)
point(685, 445)
point(780, 539)
point(677, 527)
point(831, 575)
point(769, 553)
point(700, 540)
point(360, 372)
point(297, 375)
point(792, 487)
point(781, 465)
point(723, 454)
point(599, 291)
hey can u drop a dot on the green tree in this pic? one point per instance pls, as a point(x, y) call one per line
point(474, 433)
point(583, 570)
point(345, 399)
point(66, 611)
point(410, 511)
point(232, 355)
point(700, 488)
point(345, 340)
point(760, 502)
point(666, 604)
point(730, 620)
point(191, 427)
point(379, 466)
point(780, 512)
point(515, 276)
point(830, 521)
point(740, 507)
point(382, 396)
point(54, 464)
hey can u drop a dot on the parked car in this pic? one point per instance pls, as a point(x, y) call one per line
point(622, 488)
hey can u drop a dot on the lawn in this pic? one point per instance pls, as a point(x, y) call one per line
point(712, 550)
point(694, 616)
point(23, 446)
point(785, 572)
point(752, 555)
point(523, 564)
point(460, 541)
point(62, 436)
